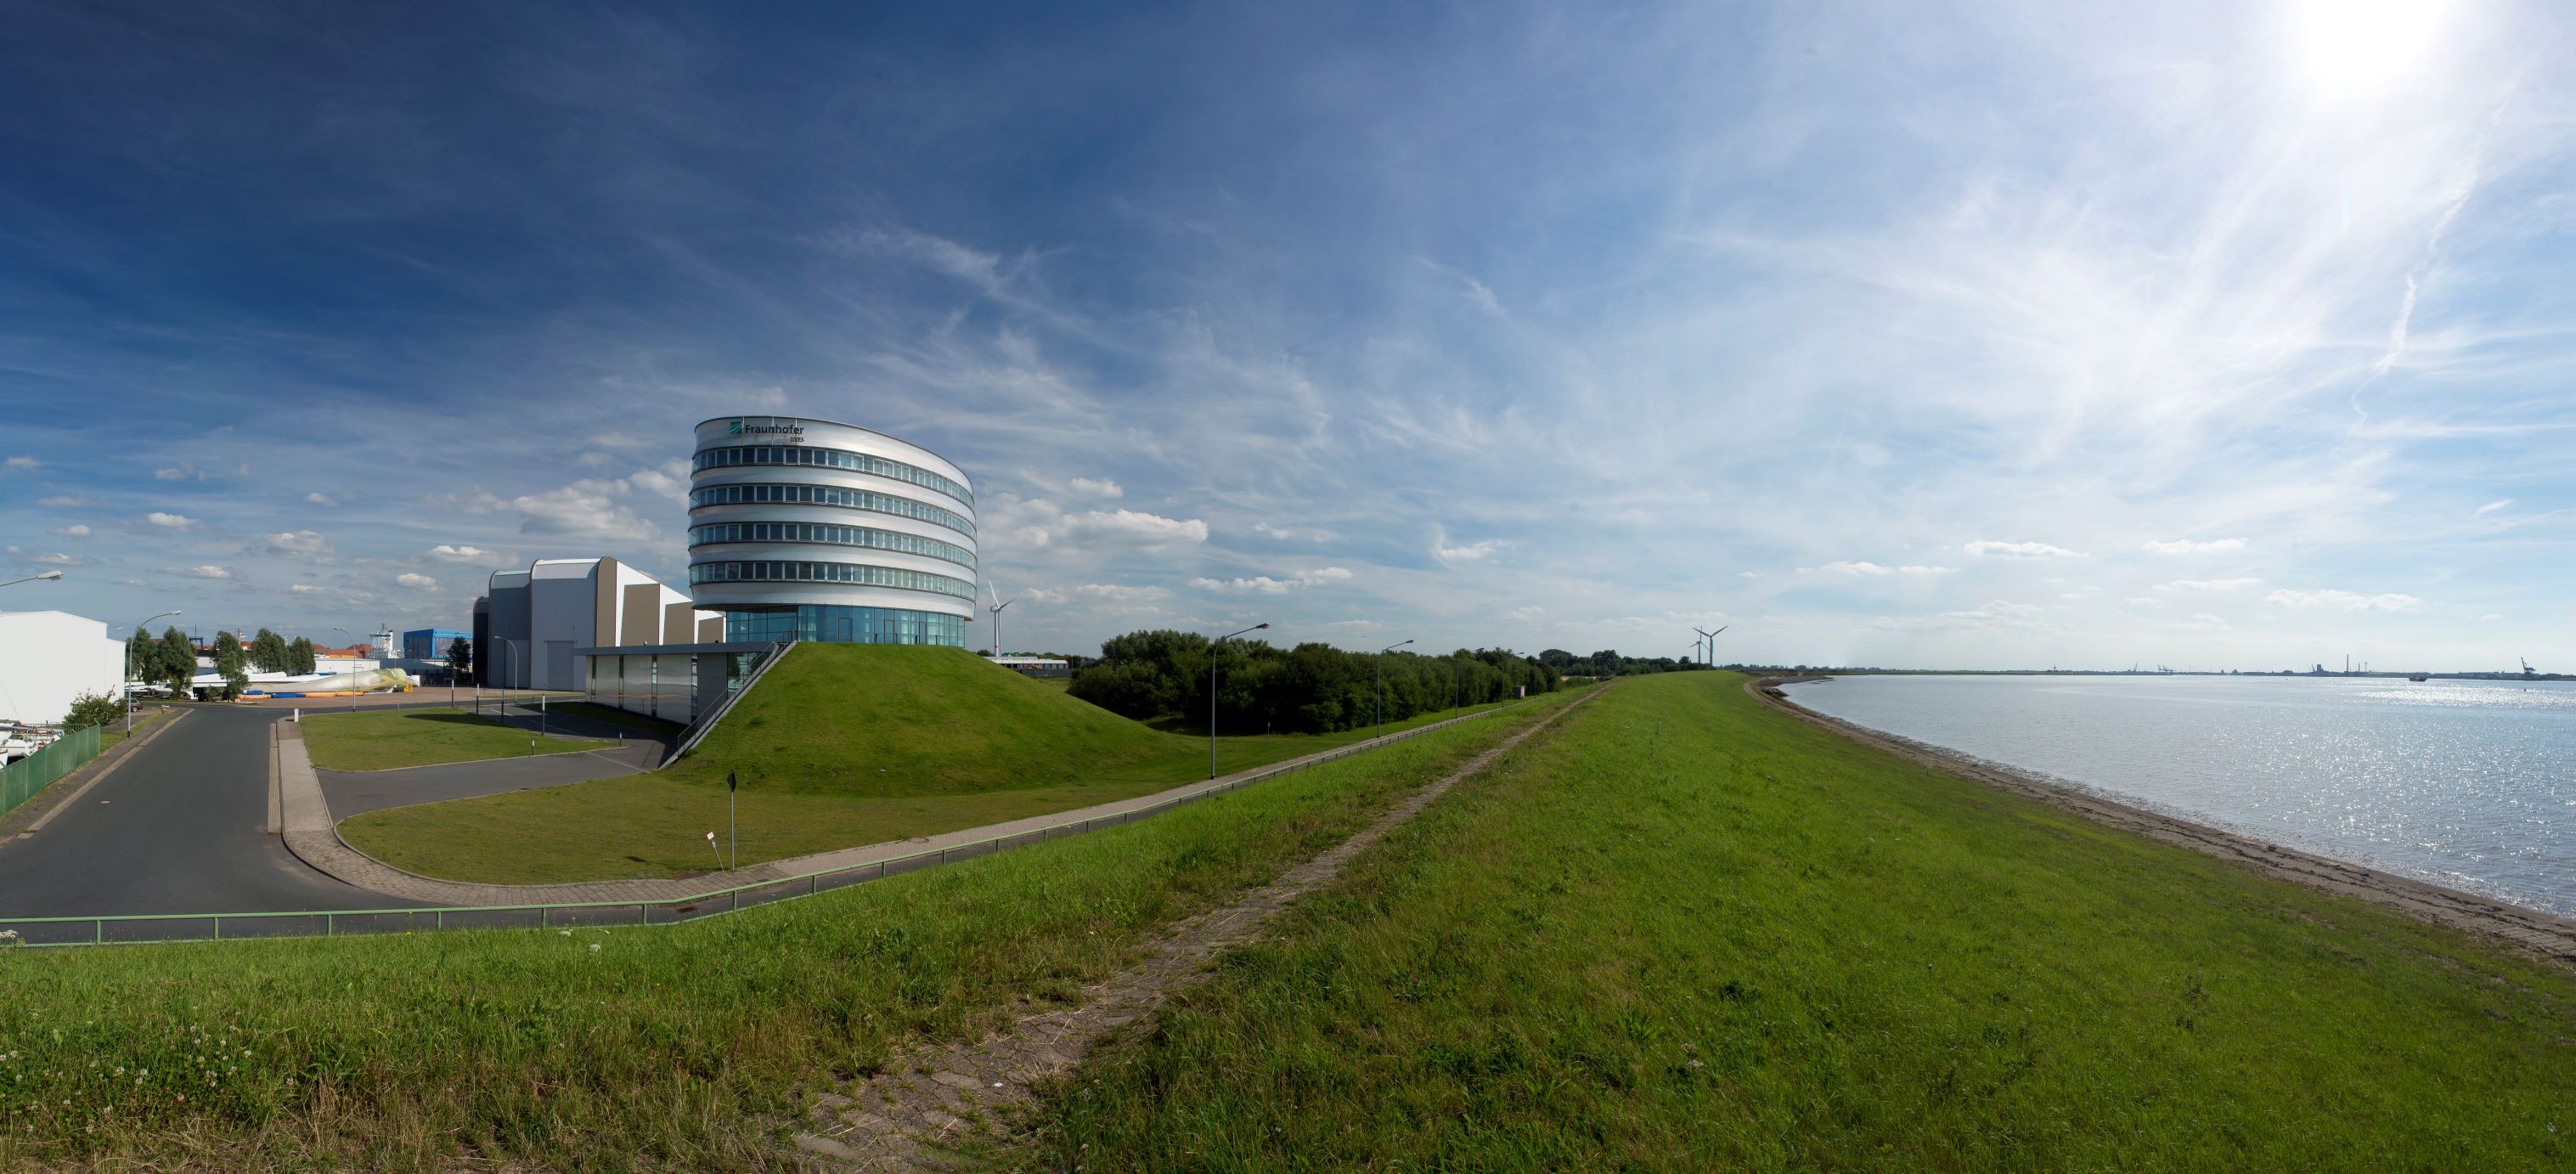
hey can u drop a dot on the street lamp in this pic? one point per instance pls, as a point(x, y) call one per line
point(1212, 647)
point(144, 627)
point(1381, 684)
point(32, 578)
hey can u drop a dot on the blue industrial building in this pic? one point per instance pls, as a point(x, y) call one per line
point(431, 643)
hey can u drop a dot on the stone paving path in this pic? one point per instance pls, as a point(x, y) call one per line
point(928, 1104)
point(311, 832)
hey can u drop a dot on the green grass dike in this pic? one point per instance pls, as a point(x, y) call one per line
point(393, 738)
point(839, 745)
point(1691, 933)
point(681, 1047)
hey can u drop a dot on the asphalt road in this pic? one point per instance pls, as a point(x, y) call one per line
point(354, 791)
point(178, 827)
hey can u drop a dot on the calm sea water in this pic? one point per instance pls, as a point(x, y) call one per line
point(2469, 784)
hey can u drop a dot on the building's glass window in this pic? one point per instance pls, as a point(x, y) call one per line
point(857, 499)
point(831, 458)
point(780, 571)
point(831, 536)
point(846, 625)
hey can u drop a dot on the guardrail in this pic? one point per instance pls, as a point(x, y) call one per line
point(23, 779)
point(31, 932)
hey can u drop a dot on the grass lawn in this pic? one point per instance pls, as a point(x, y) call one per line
point(392, 738)
point(666, 1048)
point(114, 733)
point(614, 716)
point(1691, 933)
point(655, 825)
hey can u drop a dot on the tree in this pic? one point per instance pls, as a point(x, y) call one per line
point(299, 656)
point(460, 657)
point(175, 659)
point(91, 709)
point(268, 652)
point(141, 658)
point(229, 658)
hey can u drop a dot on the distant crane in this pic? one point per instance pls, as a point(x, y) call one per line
point(2527, 670)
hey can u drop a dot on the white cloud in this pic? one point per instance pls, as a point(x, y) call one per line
point(671, 481)
point(1442, 549)
point(2209, 584)
point(171, 521)
point(416, 581)
point(303, 542)
point(1287, 534)
point(1748, 574)
point(2187, 546)
point(1133, 526)
point(2345, 600)
point(207, 571)
point(320, 499)
point(450, 552)
point(1103, 487)
point(1876, 570)
point(2136, 601)
point(68, 501)
point(1988, 546)
point(74, 531)
point(1265, 585)
point(59, 560)
point(21, 464)
point(2493, 506)
point(176, 474)
point(2490, 617)
point(1525, 614)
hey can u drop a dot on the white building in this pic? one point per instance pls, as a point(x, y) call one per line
point(810, 530)
point(49, 657)
point(539, 616)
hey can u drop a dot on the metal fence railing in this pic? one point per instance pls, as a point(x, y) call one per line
point(21, 780)
point(197, 927)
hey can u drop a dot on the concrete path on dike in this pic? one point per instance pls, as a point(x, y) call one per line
point(311, 833)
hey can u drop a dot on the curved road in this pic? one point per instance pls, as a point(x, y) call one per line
point(179, 827)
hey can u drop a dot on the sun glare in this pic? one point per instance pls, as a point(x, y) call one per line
point(2359, 49)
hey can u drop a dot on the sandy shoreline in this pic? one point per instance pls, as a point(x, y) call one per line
point(2529, 930)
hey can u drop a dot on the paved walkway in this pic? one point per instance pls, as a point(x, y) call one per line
point(311, 833)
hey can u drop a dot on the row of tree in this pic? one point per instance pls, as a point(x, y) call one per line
point(1311, 688)
point(1608, 663)
point(171, 658)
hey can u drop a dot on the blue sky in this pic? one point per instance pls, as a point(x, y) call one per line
point(2221, 335)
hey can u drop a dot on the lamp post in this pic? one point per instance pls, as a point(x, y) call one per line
point(1381, 684)
point(47, 575)
point(1213, 645)
point(129, 667)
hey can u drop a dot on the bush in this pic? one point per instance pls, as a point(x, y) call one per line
point(1311, 688)
point(91, 709)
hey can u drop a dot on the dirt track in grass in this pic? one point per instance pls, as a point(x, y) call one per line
point(929, 1105)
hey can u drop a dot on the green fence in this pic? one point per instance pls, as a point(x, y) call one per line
point(20, 780)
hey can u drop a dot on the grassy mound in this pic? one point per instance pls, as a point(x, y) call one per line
point(883, 719)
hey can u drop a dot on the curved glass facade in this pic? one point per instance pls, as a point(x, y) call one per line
point(780, 569)
point(832, 536)
point(855, 499)
point(828, 458)
point(797, 571)
point(846, 625)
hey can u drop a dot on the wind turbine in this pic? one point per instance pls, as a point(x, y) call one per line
point(998, 603)
point(1712, 643)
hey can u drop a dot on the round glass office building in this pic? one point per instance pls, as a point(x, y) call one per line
point(811, 530)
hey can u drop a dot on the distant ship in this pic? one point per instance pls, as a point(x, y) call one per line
point(2419, 676)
